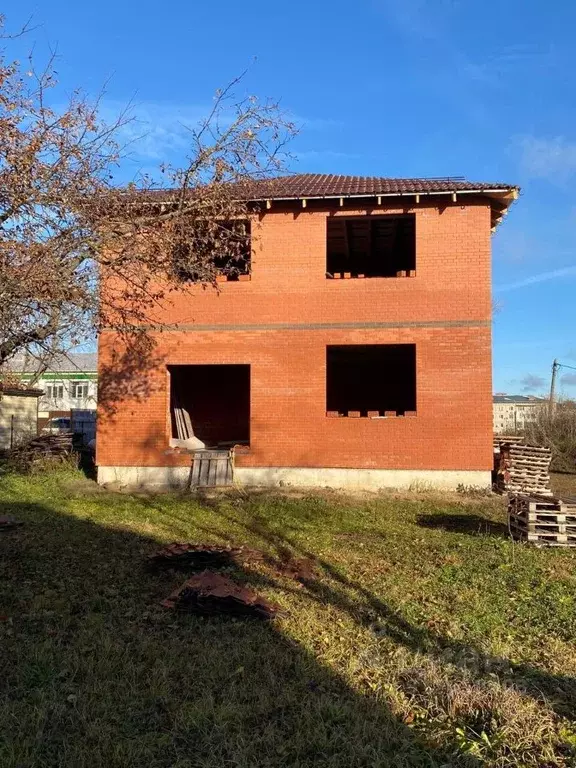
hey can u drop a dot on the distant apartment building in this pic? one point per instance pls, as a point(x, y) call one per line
point(512, 412)
point(69, 383)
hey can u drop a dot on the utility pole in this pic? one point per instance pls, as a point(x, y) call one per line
point(552, 403)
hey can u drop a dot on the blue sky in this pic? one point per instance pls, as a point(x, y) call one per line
point(380, 87)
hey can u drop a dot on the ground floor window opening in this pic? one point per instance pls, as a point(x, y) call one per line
point(371, 380)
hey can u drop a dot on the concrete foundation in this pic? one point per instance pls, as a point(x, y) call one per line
point(311, 477)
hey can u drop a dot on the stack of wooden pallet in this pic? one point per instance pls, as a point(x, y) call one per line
point(523, 469)
point(545, 521)
point(499, 440)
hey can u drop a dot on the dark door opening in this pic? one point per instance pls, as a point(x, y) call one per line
point(217, 400)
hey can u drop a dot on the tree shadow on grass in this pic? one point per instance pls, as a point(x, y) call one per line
point(464, 523)
point(558, 691)
point(94, 673)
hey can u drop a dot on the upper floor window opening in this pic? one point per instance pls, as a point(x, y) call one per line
point(216, 249)
point(371, 246)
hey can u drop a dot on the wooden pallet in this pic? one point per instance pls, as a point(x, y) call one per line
point(543, 523)
point(547, 539)
point(524, 504)
point(548, 522)
point(211, 468)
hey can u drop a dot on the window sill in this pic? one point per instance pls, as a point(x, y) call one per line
point(371, 415)
point(350, 276)
point(238, 279)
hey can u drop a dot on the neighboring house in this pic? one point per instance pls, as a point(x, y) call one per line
point(512, 412)
point(18, 416)
point(355, 353)
point(69, 383)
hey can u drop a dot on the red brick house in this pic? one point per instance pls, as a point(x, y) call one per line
point(355, 352)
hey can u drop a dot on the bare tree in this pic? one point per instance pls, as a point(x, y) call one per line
point(77, 253)
point(557, 431)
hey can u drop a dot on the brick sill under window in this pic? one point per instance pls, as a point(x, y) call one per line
point(350, 276)
point(239, 279)
point(239, 450)
point(371, 415)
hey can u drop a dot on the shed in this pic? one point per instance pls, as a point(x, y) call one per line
point(18, 416)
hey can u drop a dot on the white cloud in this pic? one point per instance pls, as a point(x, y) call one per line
point(155, 131)
point(531, 382)
point(547, 158)
point(539, 278)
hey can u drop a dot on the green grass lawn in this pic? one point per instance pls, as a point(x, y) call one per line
point(427, 638)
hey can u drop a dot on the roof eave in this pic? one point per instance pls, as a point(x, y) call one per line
point(504, 196)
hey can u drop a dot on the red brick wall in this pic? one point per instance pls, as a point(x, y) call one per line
point(444, 310)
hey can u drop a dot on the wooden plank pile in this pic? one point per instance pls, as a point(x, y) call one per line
point(186, 439)
point(523, 469)
point(57, 446)
point(49, 444)
point(545, 521)
point(183, 422)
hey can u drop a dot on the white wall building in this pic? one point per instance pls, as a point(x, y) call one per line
point(511, 412)
point(71, 382)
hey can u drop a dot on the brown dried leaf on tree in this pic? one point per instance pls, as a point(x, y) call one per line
point(77, 253)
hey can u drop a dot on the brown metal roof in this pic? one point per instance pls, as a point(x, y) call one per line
point(311, 185)
point(319, 185)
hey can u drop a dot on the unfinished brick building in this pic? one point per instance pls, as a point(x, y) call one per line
point(354, 352)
